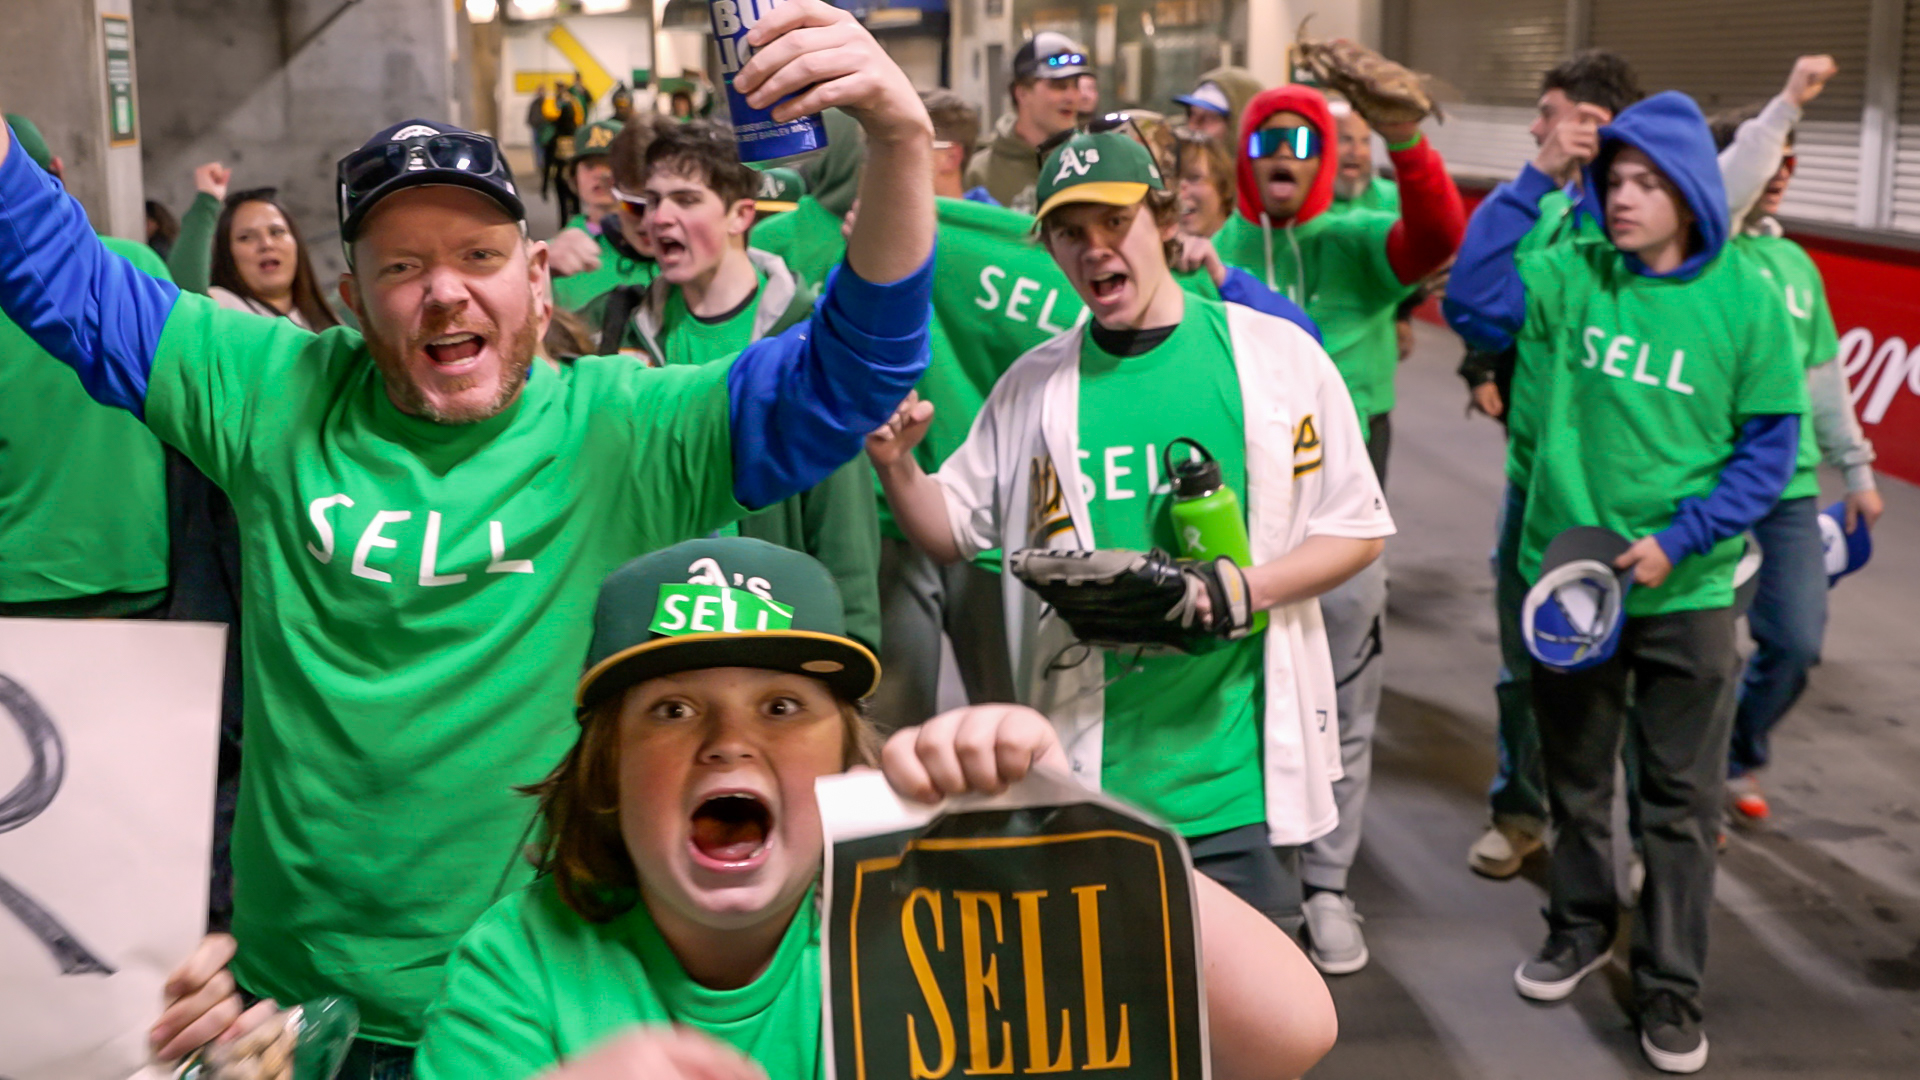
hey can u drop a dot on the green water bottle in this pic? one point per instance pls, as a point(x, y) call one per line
point(1207, 519)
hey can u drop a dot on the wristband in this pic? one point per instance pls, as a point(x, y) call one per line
point(1394, 148)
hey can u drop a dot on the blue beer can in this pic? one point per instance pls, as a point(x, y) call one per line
point(760, 137)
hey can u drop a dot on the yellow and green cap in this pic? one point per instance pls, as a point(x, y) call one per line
point(594, 139)
point(722, 602)
point(1108, 168)
point(779, 190)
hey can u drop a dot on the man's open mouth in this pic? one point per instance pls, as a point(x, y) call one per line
point(449, 349)
point(665, 248)
point(731, 830)
point(1107, 286)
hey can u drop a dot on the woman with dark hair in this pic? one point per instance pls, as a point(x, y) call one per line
point(260, 263)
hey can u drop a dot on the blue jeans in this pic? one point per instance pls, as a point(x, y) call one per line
point(1788, 621)
point(1519, 794)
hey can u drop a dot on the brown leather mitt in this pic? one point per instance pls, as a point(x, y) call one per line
point(1382, 91)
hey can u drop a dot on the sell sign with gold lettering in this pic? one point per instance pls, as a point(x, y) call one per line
point(1046, 931)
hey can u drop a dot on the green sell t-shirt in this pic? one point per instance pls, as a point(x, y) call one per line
point(1791, 270)
point(1335, 266)
point(685, 338)
point(83, 487)
point(417, 602)
point(1182, 733)
point(1532, 356)
point(807, 238)
point(578, 292)
point(534, 985)
point(1653, 379)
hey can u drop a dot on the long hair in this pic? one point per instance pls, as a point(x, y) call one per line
point(580, 842)
point(226, 273)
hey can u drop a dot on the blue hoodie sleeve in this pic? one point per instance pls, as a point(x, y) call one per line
point(1749, 486)
point(1486, 299)
point(804, 401)
point(1246, 290)
point(84, 304)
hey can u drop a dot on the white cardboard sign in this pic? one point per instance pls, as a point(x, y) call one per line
point(109, 733)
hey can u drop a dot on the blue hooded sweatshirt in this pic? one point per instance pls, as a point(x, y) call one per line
point(1487, 299)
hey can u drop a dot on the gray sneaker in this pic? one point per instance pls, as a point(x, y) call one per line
point(1334, 942)
point(1670, 1033)
point(1560, 965)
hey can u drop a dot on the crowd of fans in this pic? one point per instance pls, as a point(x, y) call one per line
point(404, 495)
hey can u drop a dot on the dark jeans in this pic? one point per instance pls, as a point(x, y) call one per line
point(369, 1060)
point(1674, 668)
point(1518, 796)
point(1266, 877)
point(1379, 444)
point(1788, 621)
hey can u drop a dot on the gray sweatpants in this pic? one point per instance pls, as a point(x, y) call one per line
point(920, 601)
point(1355, 615)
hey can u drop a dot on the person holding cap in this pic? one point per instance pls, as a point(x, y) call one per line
point(424, 507)
point(1045, 91)
point(1217, 100)
point(1231, 747)
point(1673, 391)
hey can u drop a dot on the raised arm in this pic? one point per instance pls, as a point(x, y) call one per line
point(1486, 300)
point(191, 262)
point(87, 306)
point(804, 401)
point(1432, 217)
point(1749, 162)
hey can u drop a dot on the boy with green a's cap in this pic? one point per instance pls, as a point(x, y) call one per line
point(588, 256)
point(1234, 747)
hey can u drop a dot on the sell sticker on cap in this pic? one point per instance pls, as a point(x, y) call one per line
point(716, 609)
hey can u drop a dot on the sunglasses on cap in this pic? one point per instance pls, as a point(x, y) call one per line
point(638, 203)
point(1099, 125)
point(363, 171)
point(1299, 141)
point(1063, 60)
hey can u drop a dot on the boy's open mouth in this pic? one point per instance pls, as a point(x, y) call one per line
point(731, 829)
point(1107, 286)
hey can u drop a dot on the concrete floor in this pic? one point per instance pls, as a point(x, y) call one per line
point(1815, 969)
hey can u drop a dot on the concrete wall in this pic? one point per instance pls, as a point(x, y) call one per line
point(279, 90)
point(54, 74)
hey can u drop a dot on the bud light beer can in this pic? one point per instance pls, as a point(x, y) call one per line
point(760, 137)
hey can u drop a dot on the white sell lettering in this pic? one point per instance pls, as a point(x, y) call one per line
point(1616, 350)
point(1673, 373)
point(1046, 314)
point(703, 610)
point(1115, 472)
point(430, 556)
point(317, 513)
point(1593, 333)
point(372, 539)
point(1085, 481)
point(1022, 293)
point(990, 297)
point(675, 605)
point(1640, 368)
point(497, 539)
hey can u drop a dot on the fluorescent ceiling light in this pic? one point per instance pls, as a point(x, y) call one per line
point(533, 9)
point(482, 11)
point(604, 7)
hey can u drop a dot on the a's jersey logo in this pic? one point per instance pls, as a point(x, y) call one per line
point(1047, 514)
point(1308, 454)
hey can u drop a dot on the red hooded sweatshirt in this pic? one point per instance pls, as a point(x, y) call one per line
point(1432, 218)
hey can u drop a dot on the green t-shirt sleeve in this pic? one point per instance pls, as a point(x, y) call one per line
point(678, 454)
point(1373, 256)
point(1826, 337)
point(487, 1019)
point(1772, 380)
point(216, 371)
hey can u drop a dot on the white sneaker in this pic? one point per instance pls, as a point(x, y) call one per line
point(1500, 851)
point(1334, 942)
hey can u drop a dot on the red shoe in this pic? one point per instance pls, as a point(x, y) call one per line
point(1743, 794)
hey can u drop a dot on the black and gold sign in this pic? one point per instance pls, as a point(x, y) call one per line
point(1054, 940)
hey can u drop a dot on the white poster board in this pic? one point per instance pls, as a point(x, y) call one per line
point(109, 734)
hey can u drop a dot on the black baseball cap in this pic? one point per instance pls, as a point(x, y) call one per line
point(1050, 54)
point(417, 153)
point(722, 602)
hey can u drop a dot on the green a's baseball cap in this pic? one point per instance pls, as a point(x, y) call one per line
point(722, 602)
point(27, 135)
point(779, 191)
point(1108, 168)
point(594, 139)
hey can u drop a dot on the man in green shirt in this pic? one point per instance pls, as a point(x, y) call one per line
point(427, 512)
point(83, 488)
point(1356, 186)
point(1672, 419)
point(1231, 747)
point(713, 298)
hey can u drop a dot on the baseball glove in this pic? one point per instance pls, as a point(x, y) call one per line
point(1133, 598)
point(1381, 91)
